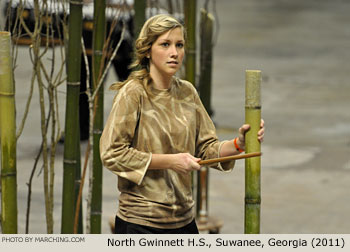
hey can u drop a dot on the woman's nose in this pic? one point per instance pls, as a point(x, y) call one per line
point(174, 52)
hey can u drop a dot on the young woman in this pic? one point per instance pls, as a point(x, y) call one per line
point(156, 133)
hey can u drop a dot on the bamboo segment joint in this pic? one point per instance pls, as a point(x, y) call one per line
point(73, 83)
point(252, 107)
point(253, 201)
point(8, 174)
point(76, 2)
point(96, 212)
point(97, 131)
point(7, 94)
point(69, 161)
point(98, 52)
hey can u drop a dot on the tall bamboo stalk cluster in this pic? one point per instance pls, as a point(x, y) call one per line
point(252, 165)
point(7, 138)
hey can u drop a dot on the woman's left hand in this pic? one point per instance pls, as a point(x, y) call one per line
point(244, 129)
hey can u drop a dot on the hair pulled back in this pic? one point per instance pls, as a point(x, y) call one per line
point(151, 30)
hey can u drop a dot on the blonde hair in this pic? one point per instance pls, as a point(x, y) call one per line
point(151, 30)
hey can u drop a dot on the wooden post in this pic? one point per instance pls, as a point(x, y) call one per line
point(8, 138)
point(252, 165)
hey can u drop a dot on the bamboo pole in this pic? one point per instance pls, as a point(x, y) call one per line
point(252, 165)
point(202, 195)
point(8, 138)
point(206, 57)
point(140, 16)
point(72, 139)
point(190, 59)
point(97, 71)
point(206, 32)
point(190, 22)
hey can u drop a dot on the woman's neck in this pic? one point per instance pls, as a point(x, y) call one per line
point(161, 81)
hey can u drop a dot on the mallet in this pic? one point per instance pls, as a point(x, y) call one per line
point(229, 158)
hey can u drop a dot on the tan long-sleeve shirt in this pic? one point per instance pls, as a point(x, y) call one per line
point(164, 122)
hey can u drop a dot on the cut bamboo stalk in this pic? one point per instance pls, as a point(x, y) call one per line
point(252, 144)
point(8, 138)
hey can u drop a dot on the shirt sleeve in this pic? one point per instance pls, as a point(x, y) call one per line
point(208, 145)
point(116, 143)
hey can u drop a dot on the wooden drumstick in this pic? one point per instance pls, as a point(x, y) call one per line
point(229, 158)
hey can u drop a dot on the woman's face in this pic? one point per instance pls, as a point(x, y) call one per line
point(167, 53)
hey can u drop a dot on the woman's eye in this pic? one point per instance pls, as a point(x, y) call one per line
point(180, 45)
point(165, 44)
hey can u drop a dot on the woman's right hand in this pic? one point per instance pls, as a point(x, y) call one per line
point(185, 163)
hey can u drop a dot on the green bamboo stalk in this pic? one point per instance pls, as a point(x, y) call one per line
point(190, 22)
point(71, 163)
point(206, 57)
point(252, 165)
point(79, 228)
point(202, 195)
point(206, 29)
point(97, 70)
point(190, 58)
point(140, 16)
point(8, 138)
